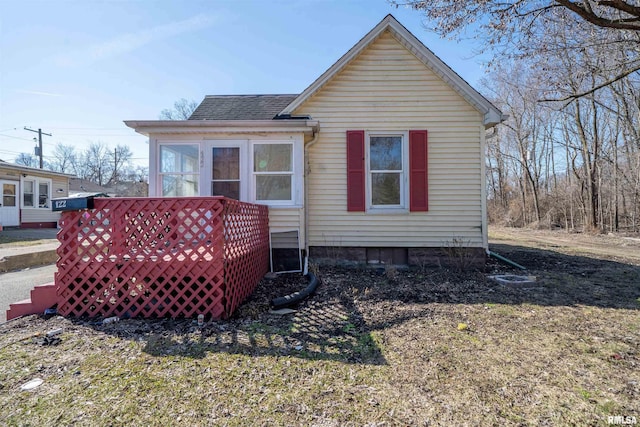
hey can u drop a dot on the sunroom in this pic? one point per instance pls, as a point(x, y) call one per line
point(256, 161)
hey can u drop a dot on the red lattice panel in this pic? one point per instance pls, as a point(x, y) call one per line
point(246, 250)
point(157, 257)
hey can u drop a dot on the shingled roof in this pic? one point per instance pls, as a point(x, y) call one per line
point(241, 107)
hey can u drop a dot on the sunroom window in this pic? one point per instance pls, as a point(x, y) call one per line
point(273, 172)
point(179, 169)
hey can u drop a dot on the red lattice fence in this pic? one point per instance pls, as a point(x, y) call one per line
point(158, 257)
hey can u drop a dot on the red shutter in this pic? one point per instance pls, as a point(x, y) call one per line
point(418, 171)
point(355, 171)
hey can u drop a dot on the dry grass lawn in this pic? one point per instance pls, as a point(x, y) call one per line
point(371, 347)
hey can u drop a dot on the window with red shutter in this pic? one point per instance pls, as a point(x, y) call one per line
point(355, 171)
point(387, 172)
point(418, 171)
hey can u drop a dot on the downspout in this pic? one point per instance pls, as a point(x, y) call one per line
point(484, 223)
point(506, 260)
point(316, 135)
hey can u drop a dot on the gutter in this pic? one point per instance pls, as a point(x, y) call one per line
point(146, 127)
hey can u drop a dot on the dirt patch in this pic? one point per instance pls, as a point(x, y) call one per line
point(614, 247)
point(371, 347)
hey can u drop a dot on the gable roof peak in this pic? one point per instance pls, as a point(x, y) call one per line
point(492, 115)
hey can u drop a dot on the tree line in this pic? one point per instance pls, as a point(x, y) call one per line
point(567, 74)
point(98, 163)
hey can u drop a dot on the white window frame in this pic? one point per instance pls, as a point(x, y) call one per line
point(247, 177)
point(208, 165)
point(36, 191)
point(293, 173)
point(161, 174)
point(404, 174)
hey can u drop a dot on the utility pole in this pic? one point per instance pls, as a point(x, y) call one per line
point(115, 165)
point(40, 133)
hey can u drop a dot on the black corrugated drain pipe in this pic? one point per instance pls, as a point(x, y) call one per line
point(288, 300)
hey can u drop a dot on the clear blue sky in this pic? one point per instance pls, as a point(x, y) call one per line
point(77, 69)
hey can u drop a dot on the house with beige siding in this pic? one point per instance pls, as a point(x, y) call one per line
point(27, 194)
point(379, 160)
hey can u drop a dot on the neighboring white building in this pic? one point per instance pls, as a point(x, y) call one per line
point(27, 194)
point(381, 159)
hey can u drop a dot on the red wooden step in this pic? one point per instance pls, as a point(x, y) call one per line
point(42, 297)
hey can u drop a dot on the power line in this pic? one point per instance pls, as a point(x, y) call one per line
point(123, 129)
point(15, 137)
point(9, 152)
point(121, 135)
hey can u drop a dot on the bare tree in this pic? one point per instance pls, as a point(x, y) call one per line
point(98, 163)
point(182, 110)
point(450, 16)
point(121, 164)
point(138, 174)
point(521, 150)
point(27, 159)
point(517, 29)
point(63, 159)
point(95, 164)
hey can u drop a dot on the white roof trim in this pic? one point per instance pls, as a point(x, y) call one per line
point(30, 170)
point(146, 127)
point(492, 115)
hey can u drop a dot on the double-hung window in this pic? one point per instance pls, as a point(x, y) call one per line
point(273, 173)
point(28, 193)
point(36, 193)
point(179, 169)
point(386, 171)
point(44, 192)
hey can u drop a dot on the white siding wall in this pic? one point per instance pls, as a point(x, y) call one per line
point(287, 219)
point(35, 215)
point(39, 215)
point(386, 88)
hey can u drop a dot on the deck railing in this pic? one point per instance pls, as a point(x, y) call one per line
point(161, 257)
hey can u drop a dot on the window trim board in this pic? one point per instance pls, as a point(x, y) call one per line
point(206, 173)
point(36, 191)
point(294, 173)
point(404, 174)
point(160, 174)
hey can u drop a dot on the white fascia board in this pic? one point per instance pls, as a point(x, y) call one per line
point(30, 170)
point(146, 127)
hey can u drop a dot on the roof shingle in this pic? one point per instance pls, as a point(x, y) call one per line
point(241, 107)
